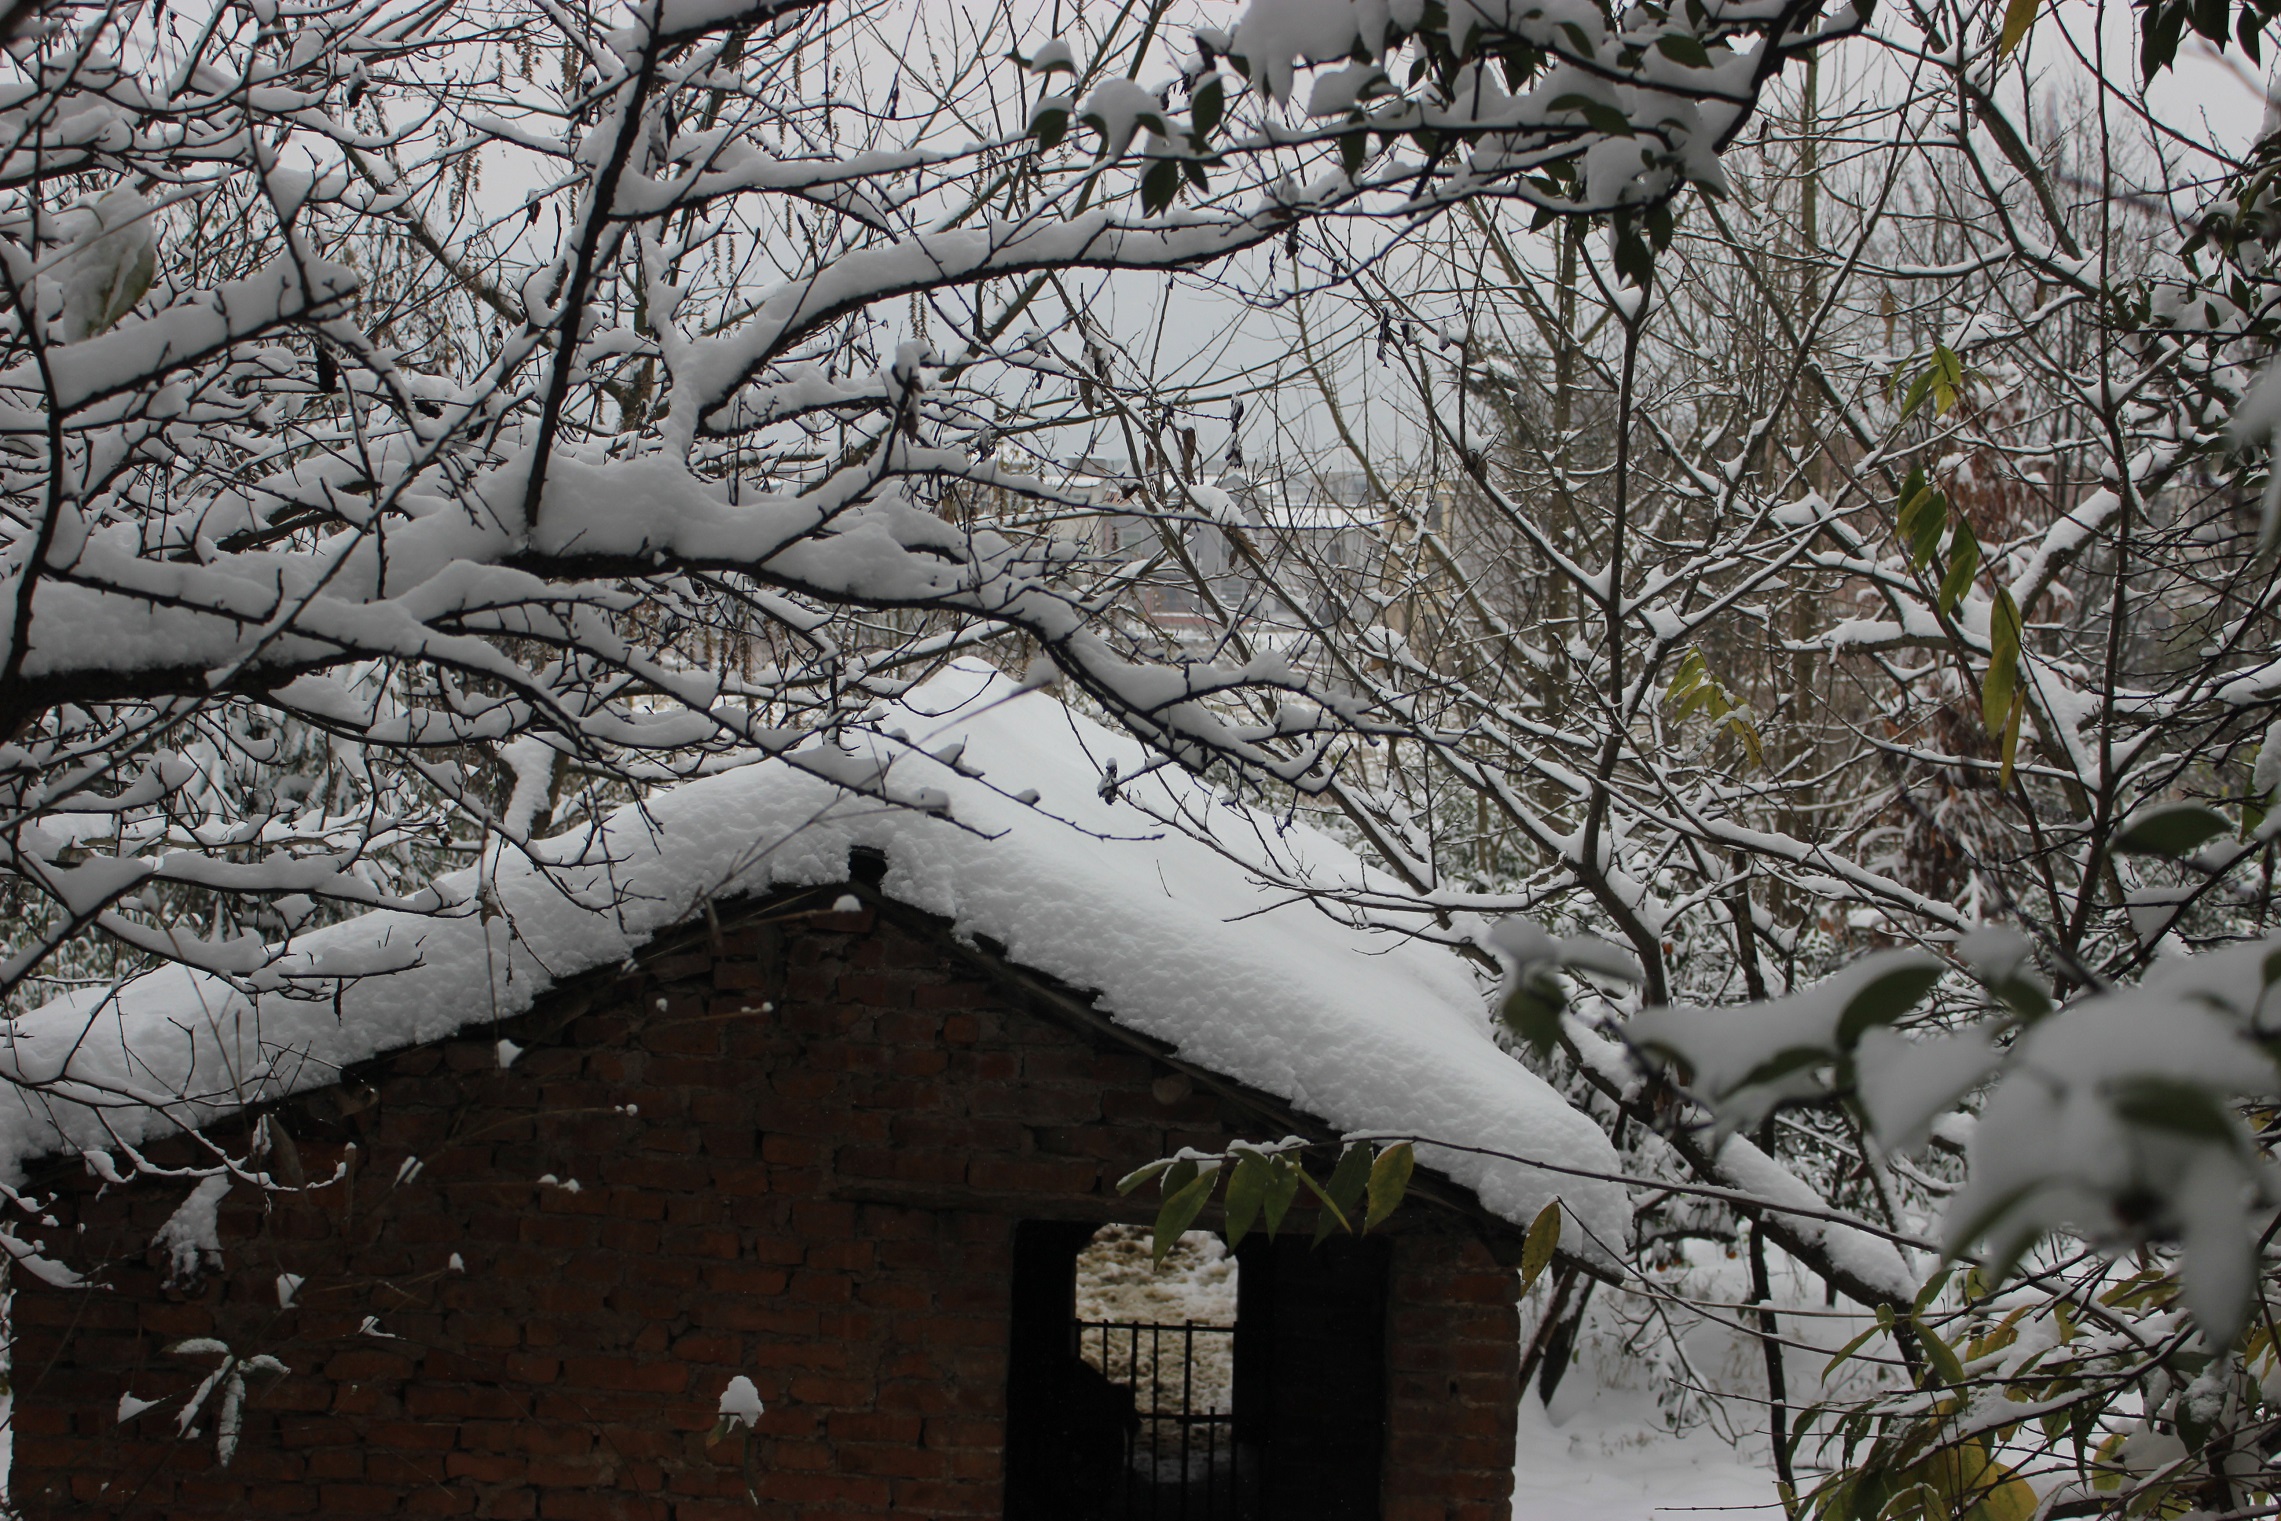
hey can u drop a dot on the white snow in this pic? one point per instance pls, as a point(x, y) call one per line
point(192, 1235)
point(1118, 1278)
point(1661, 1415)
point(2128, 1096)
point(1117, 108)
point(113, 260)
point(1746, 1058)
point(740, 1403)
point(1612, 1460)
point(1370, 1031)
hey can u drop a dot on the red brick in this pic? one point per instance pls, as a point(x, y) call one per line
point(573, 1370)
point(359, 1500)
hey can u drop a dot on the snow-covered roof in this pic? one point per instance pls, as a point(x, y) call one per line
point(1369, 1030)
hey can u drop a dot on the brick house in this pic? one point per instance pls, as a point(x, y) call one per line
point(831, 1132)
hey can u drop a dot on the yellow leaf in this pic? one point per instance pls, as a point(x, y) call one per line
point(1543, 1240)
point(1969, 1481)
point(1389, 1178)
point(2009, 1500)
point(2019, 15)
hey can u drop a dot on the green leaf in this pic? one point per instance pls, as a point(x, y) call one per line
point(1282, 1188)
point(1532, 1011)
point(1963, 565)
point(1940, 1354)
point(1598, 114)
point(1780, 1065)
point(1543, 1240)
point(1948, 377)
point(1886, 998)
point(1634, 261)
point(1177, 1175)
point(2010, 748)
point(1845, 1353)
point(1180, 1211)
point(1247, 1191)
point(1389, 1179)
point(1354, 152)
point(2173, 830)
point(1350, 1178)
point(1924, 518)
point(2167, 1103)
point(1051, 127)
point(2019, 15)
point(1684, 50)
point(1209, 105)
point(1607, 119)
point(1746, 734)
point(2001, 684)
point(1160, 185)
point(1915, 397)
point(2195, 1433)
point(1140, 1175)
point(1689, 675)
point(1330, 1218)
point(2024, 996)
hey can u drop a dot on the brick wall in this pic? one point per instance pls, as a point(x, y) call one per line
point(799, 1149)
point(1453, 1395)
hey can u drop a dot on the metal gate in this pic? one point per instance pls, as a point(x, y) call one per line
point(1180, 1455)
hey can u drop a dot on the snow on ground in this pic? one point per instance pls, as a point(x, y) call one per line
point(1661, 1415)
point(1607, 1455)
point(1118, 1281)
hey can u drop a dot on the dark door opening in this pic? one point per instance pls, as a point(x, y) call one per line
point(1310, 1373)
point(1140, 1411)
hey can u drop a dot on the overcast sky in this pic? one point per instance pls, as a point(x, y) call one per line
point(1205, 332)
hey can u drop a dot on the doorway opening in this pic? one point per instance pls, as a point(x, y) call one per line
point(1163, 1341)
point(1225, 1387)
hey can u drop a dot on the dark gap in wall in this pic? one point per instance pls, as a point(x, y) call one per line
point(1119, 1436)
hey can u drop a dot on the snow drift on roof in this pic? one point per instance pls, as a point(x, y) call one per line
point(1370, 1031)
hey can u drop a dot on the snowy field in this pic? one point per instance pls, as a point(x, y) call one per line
point(1661, 1415)
point(1608, 1456)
